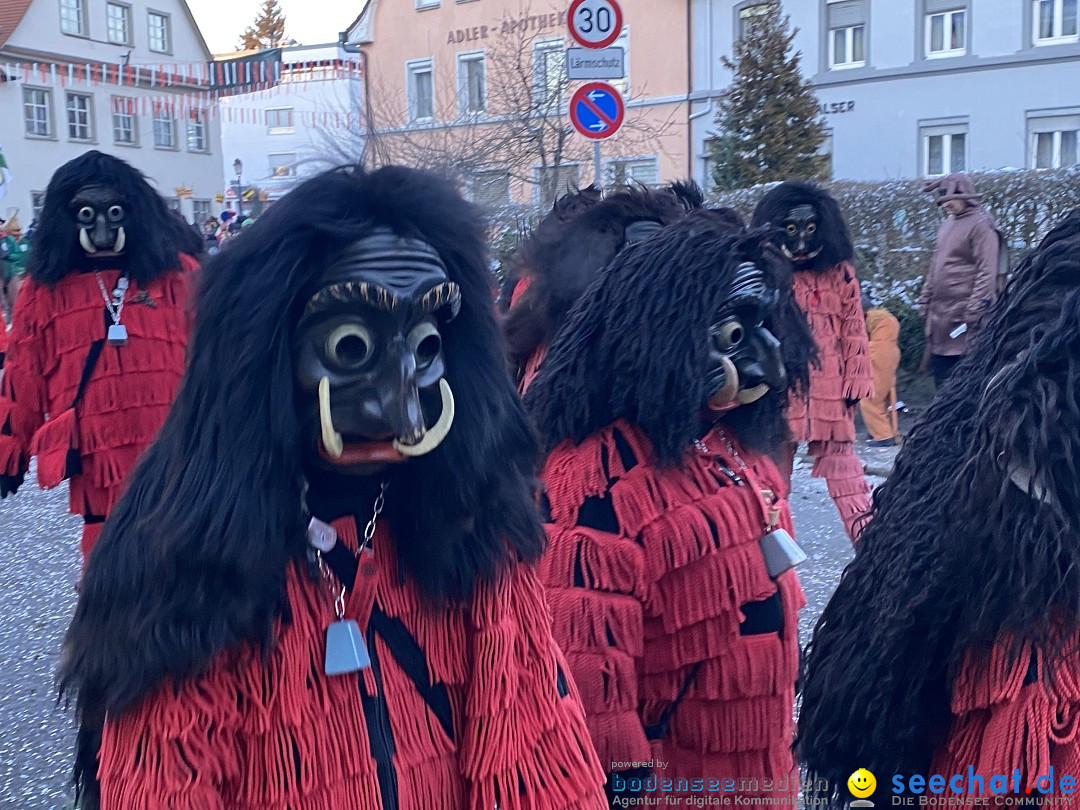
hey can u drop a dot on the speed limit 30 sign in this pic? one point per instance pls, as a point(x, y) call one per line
point(595, 23)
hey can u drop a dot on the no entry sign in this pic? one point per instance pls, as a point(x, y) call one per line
point(595, 23)
point(596, 110)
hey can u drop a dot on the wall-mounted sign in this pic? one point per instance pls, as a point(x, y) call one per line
point(835, 107)
point(585, 63)
point(595, 23)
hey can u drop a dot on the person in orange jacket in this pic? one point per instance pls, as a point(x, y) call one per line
point(879, 410)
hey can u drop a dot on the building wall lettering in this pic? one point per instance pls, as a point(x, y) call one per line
point(533, 23)
point(837, 107)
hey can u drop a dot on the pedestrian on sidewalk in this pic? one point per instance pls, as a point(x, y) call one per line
point(967, 273)
point(879, 411)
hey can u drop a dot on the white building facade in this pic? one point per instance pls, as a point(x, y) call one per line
point(310, 121)
point(126, 77)
point(918, 87)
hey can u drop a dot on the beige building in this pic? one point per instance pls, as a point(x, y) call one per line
point(480, 86)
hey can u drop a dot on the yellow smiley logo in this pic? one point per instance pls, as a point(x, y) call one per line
point(862, 783)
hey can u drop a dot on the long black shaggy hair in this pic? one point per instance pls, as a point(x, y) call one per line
point(193, 559)
point(957, 556)
point(636, 345)
point(565, 256)
point(155, 235)
point(832, 229)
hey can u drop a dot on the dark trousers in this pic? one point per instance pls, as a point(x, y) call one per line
point(941, 366)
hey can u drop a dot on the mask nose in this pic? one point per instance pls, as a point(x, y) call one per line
point(102, 234)
point(401, 402)
point(772, 371)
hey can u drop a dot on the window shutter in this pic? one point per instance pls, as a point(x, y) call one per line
point(937, 6)
point(848, 12)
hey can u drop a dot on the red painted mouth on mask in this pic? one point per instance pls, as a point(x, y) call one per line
point(717, 406)
point(357, 453)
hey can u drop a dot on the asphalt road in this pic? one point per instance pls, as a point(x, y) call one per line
point(39, 568)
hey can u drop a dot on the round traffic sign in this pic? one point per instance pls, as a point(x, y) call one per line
point(595, 23)
point(597, 110)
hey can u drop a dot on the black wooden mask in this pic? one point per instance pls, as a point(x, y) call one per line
point(802, 240)
point(368, 356)
point(744, 357)
point(100, 212)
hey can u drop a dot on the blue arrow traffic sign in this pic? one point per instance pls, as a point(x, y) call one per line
point(597, 110)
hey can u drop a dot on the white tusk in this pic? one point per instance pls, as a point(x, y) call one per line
point(84, 240)
point(1032, 486)
point(121, 240)
point(731, 385)
point(752, 394)
point(786, 251)
point(434, 437)
point(331, 439)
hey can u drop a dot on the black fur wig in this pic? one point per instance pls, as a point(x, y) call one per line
point(155, 235)
point(835, 239)
point(193, 559)
point(956, 555)
point(563, 256)
point(636, 344)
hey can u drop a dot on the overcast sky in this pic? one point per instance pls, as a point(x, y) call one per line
point(310, 22)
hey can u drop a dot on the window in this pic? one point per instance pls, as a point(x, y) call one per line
point(73, 17)
point(283, 164)
point(159, 35)
point(420, 4)
point(279, 121)
point(549, 70)
point(1055, 21)
point(37, 112)
point(748, 14)
point(164, 129)
point(1054, 141)
point(946, 34)
point(637, 170)
point(846, 33)
point(79, 117)
point(119, 20)
point(472, 89)
point(553, 181)
point(200, 211)
point(124, 121)
point(944, 149)
point(196, 131)
point(421, 91)
point(490, 189)
point(173, 204)
point(37, 202)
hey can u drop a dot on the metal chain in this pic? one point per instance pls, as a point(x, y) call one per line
point(115, 309)
point(369, 534)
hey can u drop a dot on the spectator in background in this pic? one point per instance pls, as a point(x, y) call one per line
point(879, 411)
point(14, 252)
point(210, 236)
point(967, 272)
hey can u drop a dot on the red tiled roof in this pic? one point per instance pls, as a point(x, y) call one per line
point(11, 14)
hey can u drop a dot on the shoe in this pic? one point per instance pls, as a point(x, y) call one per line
point(881, 442)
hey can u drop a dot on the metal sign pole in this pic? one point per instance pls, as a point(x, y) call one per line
point(596, 164)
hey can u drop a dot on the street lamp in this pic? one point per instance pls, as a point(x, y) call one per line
point(238, 167)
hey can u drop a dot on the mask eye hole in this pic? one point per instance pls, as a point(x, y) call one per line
point(426, 344)
point(729, 335)
point(115, 212)
point(85, 215)
point(350, 346)
point(792, 230)
point(811, 228)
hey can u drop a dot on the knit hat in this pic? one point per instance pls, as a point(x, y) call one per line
point(955, 186)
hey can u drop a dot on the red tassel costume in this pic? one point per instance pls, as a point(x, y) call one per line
point(126, 399)
point(832, 304)
point(639, 609)
point(228, 740)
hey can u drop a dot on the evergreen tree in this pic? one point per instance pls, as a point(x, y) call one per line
point(267, 30)
point(770, 126)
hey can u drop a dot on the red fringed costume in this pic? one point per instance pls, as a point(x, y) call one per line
point(1015, 712)
point(832, 304)
point(124, 402)
point(514, 736)
point(654, 604)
